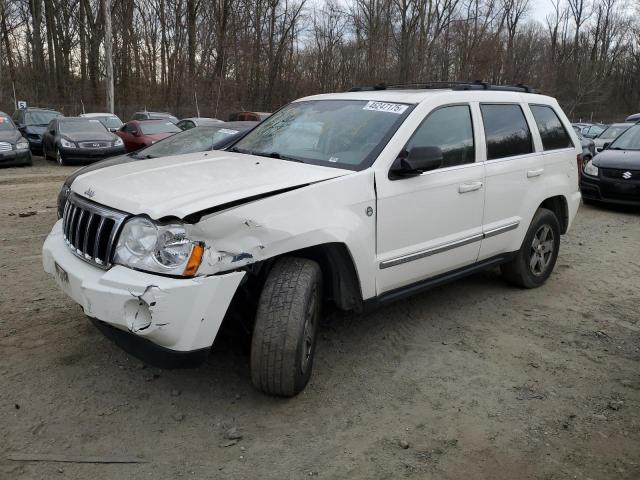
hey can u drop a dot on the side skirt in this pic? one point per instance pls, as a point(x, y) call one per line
point(429, 283)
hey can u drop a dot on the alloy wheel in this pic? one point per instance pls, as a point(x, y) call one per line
point(541, 252)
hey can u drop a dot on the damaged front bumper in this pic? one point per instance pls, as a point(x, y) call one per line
point(176, 315)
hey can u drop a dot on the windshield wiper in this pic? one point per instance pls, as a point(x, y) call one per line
point(277, 155)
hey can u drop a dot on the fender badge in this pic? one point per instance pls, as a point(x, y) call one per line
point(89, 193)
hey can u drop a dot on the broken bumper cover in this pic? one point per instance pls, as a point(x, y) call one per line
point(177, 315)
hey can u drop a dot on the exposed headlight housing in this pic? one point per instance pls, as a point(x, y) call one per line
point(62, 197)
point(161, 248)
point(118, 142)
point(590, 169)
point(22, 146)
point(66, 143)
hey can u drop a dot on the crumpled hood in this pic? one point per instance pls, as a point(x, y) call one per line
point(185, 184)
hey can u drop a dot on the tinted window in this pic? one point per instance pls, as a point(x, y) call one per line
point(40, 117)
point(450, 129)
point(506, 131)
point(158, 127)
point(552, 132)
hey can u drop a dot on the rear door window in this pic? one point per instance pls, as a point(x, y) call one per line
point(553, 134)
point(506, 130)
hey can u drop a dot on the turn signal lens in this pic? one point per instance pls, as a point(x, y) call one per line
point(194, 260)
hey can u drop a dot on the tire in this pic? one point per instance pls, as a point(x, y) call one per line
point(60, 158)
point(537, 256)
point(28, 162)
point(284, 335)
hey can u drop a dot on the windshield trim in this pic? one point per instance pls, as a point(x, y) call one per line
point(367, 161)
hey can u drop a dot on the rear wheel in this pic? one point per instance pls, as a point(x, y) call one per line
point(536, 258)
point(284, 334)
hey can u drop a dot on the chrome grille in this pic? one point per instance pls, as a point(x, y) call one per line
point(4, 146)
point(94, 144)
point(90, 230)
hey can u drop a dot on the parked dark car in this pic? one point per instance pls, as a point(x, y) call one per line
point(588, 146)
point(154, 116)
point(14, 148)
point(613, 176)
point(187, 123)
point(199, 139)
point(248, 116)
point(633, 118)
point(32, 123)
point(139, 134)
point(79, 140)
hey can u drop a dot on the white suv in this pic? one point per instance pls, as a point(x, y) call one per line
point(350, 199)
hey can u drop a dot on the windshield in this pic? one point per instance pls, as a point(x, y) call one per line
point(613, 131)
point(110, 122)
point(40, 117)
point(6, 124)
point(81, 126)
point(199, 139)
point(158, 127)
point(336, 133)
point(629, 140)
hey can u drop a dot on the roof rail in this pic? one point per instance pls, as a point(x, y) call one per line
point(475, 85)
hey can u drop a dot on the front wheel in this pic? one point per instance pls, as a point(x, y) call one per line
point(536, 258)
point(60, 158)
point(284, 335)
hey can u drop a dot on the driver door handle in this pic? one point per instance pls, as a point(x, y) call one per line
point(469, 187)
point(535, 173)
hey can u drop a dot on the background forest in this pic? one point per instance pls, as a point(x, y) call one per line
point(259, 54)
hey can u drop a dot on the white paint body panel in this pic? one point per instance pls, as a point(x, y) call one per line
point(409, 215)
point(185, 314)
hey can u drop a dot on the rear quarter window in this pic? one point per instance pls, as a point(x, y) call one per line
point(506, 130)
point(552, 132)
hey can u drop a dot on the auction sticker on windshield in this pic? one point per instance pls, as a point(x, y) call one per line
point(396, 108)
point(228, 131)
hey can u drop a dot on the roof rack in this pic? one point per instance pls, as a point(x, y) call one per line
point(475, 85)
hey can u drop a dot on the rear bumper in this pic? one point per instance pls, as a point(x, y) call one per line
point(84, 155)
point(610, 191)
point(15, 157)
point(175, 315)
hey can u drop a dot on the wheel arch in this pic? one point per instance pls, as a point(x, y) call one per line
point(560, 207)
point(339, 274)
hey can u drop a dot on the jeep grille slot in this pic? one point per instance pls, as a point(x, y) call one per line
point(90, 230)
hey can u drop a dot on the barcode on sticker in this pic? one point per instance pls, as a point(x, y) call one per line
point(396, 108)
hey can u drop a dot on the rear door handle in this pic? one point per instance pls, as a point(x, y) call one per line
point(535, 173)
point(469, 187)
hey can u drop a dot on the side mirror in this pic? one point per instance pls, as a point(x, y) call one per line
point(606, 145)
point(416, 161)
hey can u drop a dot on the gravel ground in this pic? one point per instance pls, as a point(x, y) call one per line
point(475, 379)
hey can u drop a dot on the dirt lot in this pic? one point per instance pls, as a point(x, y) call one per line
point(472, 380)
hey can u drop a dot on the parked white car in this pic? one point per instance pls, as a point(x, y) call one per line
point(355, 199)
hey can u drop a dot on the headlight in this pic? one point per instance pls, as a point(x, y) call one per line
point(22, 146)
point(154, 247)
point(591, 169)
point(118, 142)
point(62, 198)
point(66, 143)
